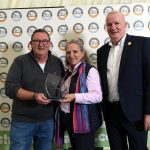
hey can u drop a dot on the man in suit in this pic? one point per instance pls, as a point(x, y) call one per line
point(124, 66)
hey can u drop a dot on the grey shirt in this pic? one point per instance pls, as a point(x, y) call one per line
point(26, 73)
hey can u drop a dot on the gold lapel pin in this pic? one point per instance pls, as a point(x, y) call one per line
point(129, 43)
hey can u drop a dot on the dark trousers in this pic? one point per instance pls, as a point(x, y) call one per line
point(79, 141)
point(122, 133)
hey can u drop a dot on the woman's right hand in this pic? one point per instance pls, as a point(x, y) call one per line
point(68, 98)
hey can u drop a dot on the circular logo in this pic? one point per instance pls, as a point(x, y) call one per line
point(125, 10)
point(17, 31)
point(49, 29)
point(93, 27)
point(78, 28)
point(77, 12)
point(3, 16)
point(138, 25)
point(31, 15)
point(62, 44)
point(5, 107)
point(17, 46)
point(62, 29)
point(62, 14)
point(106, 40)
point(93, 58)
point(3, 31)
point(46, 14)
point(5, 122)
point(3, 62)
point(107, 10)
point(2, 93)
point(93, 12)
point(63, 59)
point(30, 30)
point(138, 9)
point(16, 16)
point(94, 42)
point(3, 47)
point(3, 76)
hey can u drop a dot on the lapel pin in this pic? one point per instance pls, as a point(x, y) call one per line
point(129, 43)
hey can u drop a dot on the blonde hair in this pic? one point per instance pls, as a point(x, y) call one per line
point(80, 43)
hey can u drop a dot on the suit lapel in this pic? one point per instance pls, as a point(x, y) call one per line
point(104, 65)
point(125, 52)
point(106, 58)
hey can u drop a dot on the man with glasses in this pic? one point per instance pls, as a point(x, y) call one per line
point(32, 113)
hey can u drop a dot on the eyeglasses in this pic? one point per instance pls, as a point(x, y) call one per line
point(37, 42)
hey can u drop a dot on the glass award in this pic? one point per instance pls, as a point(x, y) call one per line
point(52, 84)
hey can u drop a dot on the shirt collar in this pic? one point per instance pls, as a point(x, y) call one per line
point(121, 42)
point(75, 67)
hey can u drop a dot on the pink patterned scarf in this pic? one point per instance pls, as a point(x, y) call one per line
point(81, 123)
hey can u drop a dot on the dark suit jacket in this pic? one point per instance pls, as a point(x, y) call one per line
point(134, 76)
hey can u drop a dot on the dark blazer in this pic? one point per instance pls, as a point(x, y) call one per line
point(134, 76)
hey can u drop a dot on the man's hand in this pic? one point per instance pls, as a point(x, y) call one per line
point(41, 98)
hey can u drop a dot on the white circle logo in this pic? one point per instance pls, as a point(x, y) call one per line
point(93, 12)
point(94, 42)
point(49, 29)
point(46, 14)
point(5, 107)
point(138, 9)
point(31, 29)
point(17, 46)
point(107, 10)
point(93, 58)
point(77, 12)
point(138, 25)
point(125, 10)
point(3, 47)
point(2, 93)
point(5, 122)
point(3, 76)
point(62, 29)
point(3, 32)
point(93, 27)
point(62, 44)
point(78, 28)
point(32, 15)
point(16, 16)
point(62, 14)
point(3, 62)
point(3, 16)
point(17, 31)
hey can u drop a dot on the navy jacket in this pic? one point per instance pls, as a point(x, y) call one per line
point(134, 76)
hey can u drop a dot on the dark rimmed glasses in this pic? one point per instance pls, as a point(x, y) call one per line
point(37, 42)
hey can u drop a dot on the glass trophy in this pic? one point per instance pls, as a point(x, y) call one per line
point(52, 84)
